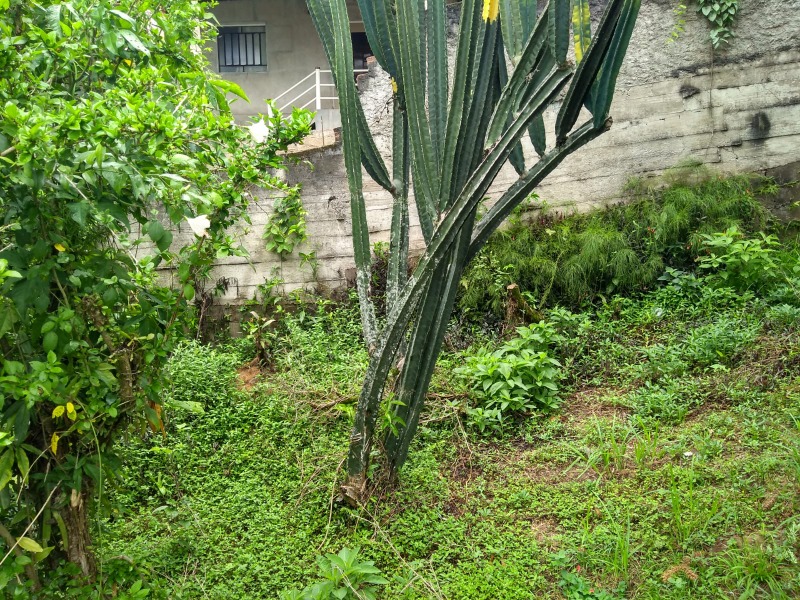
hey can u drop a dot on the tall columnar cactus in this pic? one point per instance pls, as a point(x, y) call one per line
point(451, 138)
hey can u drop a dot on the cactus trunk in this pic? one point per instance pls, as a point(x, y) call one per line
point(451, 138)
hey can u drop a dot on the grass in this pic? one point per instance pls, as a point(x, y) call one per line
point(671, 471)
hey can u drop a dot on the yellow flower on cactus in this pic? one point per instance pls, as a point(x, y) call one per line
point(491, 8)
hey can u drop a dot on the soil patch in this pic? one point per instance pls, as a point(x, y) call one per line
point(249, 375)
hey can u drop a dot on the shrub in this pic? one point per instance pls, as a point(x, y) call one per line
point(741, 263)
point(519, 377)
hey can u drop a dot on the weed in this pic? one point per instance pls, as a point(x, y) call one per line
point(758, 567)
point(605, 449)
point(664, 403)
point(692, 512)
point(200, 376)
point(784, 317)
point(519, 377)
point(575, 586)
point(690, 496)
point(718, 342)
point(345, 577)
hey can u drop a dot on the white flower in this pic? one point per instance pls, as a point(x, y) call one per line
point(199, 225)
point(259, 130)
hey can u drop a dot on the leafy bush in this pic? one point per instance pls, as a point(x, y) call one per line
point(519, 377)
point(740, 263)
point(345, 577)
point(114, 132)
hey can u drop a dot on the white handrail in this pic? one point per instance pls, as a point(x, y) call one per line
point(296, 98)
point(316, 88)
point(294, 86)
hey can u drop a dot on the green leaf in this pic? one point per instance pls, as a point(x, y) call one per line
point(23, 464)
point(124, 16)
point(134, 41)
point(79, 211)
point(165, 242)
point(23, 560)
point(50, 341)
point(111, 41)
point(30, 545)
point(229, 87)
point(6, 463)
point(155, 231)
point(8, 316)
point(40, 556)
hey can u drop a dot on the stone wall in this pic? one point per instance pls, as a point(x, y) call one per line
point(736, 109)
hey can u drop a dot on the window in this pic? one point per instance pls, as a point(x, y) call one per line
point(242, 48)
point(361, 50)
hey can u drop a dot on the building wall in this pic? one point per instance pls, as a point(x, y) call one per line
point(293, 52)
point(736, 110)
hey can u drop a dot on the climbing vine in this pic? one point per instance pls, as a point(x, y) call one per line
point(721, 16)
point(286, 227)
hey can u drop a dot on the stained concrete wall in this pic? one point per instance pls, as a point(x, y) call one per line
point(737, 110)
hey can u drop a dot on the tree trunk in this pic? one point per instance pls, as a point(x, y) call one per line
point(79, 542)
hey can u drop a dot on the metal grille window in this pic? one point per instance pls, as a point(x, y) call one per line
point(242, 48)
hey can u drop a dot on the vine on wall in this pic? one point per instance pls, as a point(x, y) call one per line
point(721, 16)
point(287, 225)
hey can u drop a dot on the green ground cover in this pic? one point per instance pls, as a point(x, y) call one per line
point(668, 465)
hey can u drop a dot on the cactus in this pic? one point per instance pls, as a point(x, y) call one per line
point(451, 138)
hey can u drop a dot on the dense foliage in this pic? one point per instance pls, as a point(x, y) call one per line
point(113, 133)
point(575, 260)
point(519, 377)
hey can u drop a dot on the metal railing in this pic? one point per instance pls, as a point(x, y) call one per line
point(317, 92)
